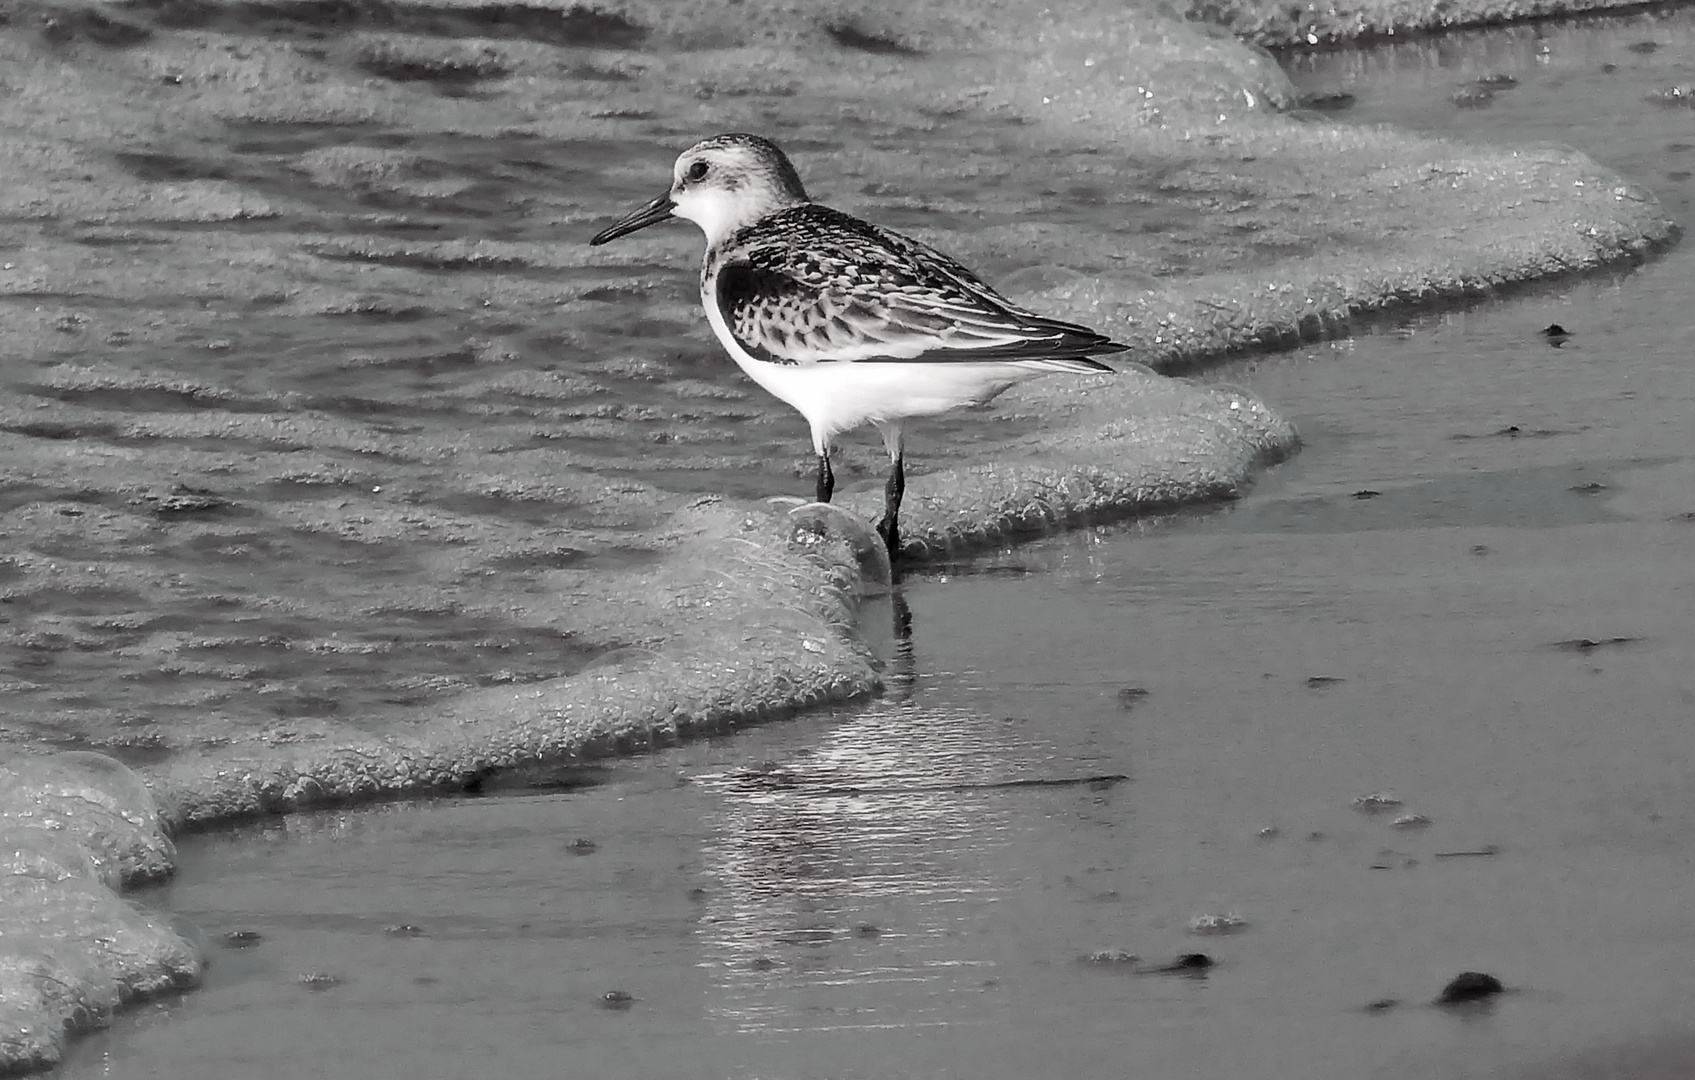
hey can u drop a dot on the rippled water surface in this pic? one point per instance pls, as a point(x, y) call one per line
point(1471, 591)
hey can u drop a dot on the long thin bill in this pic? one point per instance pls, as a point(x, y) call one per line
point(652, 214)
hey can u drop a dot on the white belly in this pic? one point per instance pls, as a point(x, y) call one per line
point(840, 396)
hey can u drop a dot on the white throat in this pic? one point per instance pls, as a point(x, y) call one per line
point(720, 213)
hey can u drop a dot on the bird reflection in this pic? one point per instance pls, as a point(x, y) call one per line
point(900, 670)
point(858, 873)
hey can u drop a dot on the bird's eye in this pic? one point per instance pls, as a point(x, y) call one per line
point(697, 171)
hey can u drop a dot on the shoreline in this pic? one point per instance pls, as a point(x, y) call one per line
point(1200, 445)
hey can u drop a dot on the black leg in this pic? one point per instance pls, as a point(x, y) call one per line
point(889, 527)
point(826, 478)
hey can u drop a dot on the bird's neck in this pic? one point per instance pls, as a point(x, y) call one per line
point(733, 217)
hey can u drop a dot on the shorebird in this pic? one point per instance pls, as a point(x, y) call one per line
point(848, 322)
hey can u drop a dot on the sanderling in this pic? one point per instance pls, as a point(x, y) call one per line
point(848, 322)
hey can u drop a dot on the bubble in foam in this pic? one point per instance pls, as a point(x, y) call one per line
point(91, 777)
point(95, 802)
point(817, 525)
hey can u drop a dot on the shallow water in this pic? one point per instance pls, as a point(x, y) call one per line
point(1471, 589)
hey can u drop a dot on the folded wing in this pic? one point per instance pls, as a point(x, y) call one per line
point(850, 292)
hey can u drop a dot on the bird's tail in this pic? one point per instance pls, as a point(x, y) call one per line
point(1081, 365)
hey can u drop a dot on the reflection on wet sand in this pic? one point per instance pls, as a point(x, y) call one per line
point(857, 863)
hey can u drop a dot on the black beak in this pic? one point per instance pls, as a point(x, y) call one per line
point(652, 214)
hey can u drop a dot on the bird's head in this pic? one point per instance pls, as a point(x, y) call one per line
point(721, 184)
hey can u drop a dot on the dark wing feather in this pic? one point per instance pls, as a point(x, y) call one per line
point(812, 285)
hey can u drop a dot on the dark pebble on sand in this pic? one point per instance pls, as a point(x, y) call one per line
point(1555, 330)
point(1484, 852)
point(581, 846)
point(242, 939)
point(617, 1000)
point(1585, 645)
point(1469, 986)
